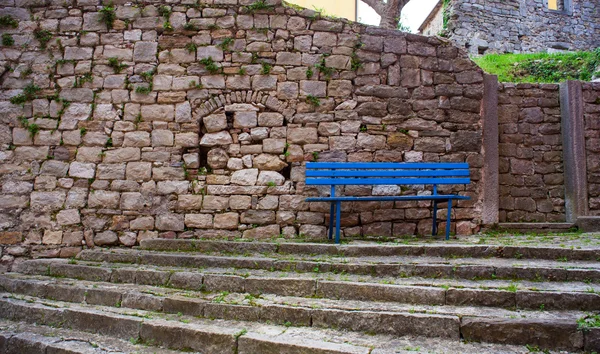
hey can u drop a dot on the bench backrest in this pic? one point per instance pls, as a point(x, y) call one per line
point(388, 173)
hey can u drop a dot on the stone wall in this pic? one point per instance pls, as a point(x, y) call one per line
point(591, 99)
point(194, 119)
point(530, 149)
point(523, 26)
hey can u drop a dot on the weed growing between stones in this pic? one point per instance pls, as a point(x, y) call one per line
point(258, 5)
point(190, 27)
point(29, 93)
point(116, 65)
point(42, 36)
point(7, 40)
point(225, 43)
point(314, 101)
point(210, 65)
point(265, 68)
point(108, 15)
point(8, 21)
point(191, 47)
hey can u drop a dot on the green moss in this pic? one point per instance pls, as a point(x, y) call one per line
point(541, 67)
point(313, 100)
point(265, 68)
point(259, 5)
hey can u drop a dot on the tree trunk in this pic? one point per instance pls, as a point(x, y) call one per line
point(390, 18)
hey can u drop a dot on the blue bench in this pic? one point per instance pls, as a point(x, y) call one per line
point(381, 173)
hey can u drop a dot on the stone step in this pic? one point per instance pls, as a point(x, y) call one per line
point(176, 332)
point(558, 328)
point(24, 338)
point(558, 296)
point(378, 344)
point(446, 250)
point(537, 227)
point(398, 266)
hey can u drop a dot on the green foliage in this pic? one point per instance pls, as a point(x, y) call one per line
point(355, 62)
point(80, 80)
point(7, 40)
point(191, 47)
point(213, 27)
point(445, 14)
point(541, 67)
point(8, 21)
point(109, 143)
point(190, 27)
point(210, 65)
point(108, 15)
point(29, 93)
point(225, 43)
point(116, 64)
point(313, 100)
point(242, 71)
point(315, 155)
point(265, 68)
point(323, 69)
point(31, 127)
point(402, 27)
point(165, 11)
point(167, 26)
point(259, 5)
point(144, 90)
point(43, 36)
point(589, 321)
point(309, 72)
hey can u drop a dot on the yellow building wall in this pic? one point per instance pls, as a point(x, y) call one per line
point(338, 8)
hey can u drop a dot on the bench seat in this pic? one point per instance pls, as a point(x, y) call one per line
point(334, 174)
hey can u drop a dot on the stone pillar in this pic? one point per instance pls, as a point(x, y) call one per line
point(490, 186)
point(574, 156)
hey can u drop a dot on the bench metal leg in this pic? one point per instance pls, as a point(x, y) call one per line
point(331, 221)
point(434, 228)
point(448, 218)
point(338, 217)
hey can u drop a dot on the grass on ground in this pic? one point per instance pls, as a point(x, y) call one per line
point(542, 67)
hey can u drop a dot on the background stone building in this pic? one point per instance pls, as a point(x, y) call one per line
point(517, 26)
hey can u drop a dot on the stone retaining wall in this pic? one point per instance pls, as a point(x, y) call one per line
point(591, 99)
point(194, 119)
point(530, 149)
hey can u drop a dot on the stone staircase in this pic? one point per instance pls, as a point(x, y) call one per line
point(264, 297)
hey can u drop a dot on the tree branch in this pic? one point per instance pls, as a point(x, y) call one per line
point(377, 5)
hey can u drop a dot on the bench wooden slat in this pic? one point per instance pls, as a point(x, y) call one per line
point(439, 197)
point(387, 173)
point(386, 165)
point(385, 181)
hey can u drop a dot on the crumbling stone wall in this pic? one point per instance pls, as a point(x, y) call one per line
point(591, 116)
point(531, 169)
point(523, 26)
point(194, 119)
